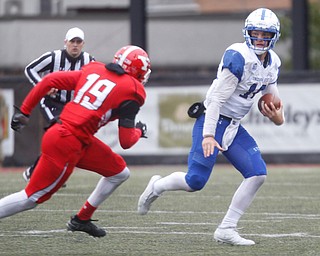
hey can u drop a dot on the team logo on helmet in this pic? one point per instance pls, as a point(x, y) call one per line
point(135, 62)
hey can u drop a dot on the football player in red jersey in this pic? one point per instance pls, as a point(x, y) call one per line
point(103, 93)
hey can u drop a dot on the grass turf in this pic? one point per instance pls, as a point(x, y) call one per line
point(284, 218)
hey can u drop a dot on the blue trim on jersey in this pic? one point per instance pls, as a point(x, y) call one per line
point(263, 15)
point(234, 61)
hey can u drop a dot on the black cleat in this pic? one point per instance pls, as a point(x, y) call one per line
point(74, 224)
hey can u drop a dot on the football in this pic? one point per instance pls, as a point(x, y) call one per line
point(267, 98)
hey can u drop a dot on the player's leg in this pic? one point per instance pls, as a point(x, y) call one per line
point(15, 203)
point(50, 110)
point(246, 157)
point(54, 167)
point(61, 151)
point(99, 158)
point(199, 170)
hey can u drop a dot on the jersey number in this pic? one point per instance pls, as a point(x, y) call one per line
point(94, 92)
point(252, 91)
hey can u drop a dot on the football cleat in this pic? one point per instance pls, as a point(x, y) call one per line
point(230, 236)
point(75, 224)
point(27, 174)
point(148, 197)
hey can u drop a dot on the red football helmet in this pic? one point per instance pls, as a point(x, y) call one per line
point(135, 62)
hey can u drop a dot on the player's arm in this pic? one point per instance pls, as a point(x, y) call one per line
point(129, 131)
point(222, 88)
point(219, 92)
point(61, 80)
point(274, 114)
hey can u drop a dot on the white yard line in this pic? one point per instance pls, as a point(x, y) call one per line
point(143, 230)
point(270, 215)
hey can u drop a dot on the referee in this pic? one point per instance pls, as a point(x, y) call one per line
point(70, 58)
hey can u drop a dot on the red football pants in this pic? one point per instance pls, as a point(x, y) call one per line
point(61, 152)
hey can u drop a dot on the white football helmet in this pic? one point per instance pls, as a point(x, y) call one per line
point(262, 19)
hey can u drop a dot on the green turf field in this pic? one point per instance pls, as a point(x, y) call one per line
point(284, 219)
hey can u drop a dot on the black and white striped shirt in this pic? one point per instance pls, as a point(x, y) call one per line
point(58, 60)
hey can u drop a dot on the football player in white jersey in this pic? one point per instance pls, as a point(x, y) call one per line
point(246, 69)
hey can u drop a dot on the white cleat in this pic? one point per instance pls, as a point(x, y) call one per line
point(148, 197)
point(230, 236)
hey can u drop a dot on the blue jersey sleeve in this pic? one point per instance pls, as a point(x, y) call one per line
point(234, 61)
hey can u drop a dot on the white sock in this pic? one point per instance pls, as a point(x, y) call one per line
point(15, 203)
point(106, 186)
point(172, 182)
point(241, 200)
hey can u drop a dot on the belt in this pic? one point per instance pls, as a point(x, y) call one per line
point(226, 118)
